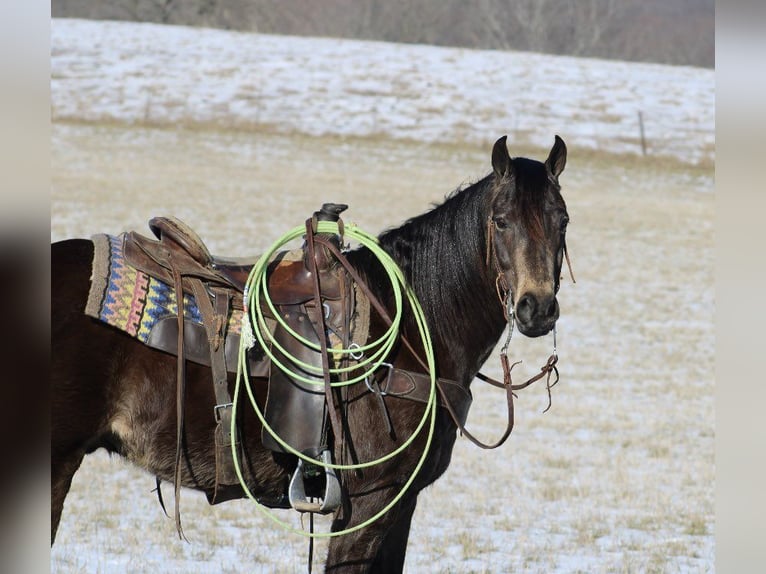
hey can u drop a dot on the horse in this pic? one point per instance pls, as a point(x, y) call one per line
point(486, 258)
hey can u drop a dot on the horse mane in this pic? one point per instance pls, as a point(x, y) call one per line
point(442, 255)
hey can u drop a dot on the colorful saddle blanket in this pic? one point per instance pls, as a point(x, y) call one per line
point(131, 300)
point(145, 307)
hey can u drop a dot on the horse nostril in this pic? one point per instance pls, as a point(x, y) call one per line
point(530, 309)
point(552, 308)
point(525, 308)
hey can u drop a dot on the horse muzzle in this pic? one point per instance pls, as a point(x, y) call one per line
point(536, 315)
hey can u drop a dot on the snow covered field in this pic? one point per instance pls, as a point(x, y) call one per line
point(169, 75)
point(242, 136)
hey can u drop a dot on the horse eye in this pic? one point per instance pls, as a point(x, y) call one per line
point(563, 224)
point(500, 223)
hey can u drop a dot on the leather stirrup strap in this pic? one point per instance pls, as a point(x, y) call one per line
point(215, 321)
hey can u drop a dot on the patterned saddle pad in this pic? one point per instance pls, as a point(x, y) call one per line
point(131, 300)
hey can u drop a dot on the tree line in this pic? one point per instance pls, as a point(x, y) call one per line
point(678, 32)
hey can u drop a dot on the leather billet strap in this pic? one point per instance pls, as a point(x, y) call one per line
point(215, 321)
point(403, 384)
point(215, 315)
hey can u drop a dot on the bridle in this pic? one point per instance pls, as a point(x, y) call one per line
point(548, 370)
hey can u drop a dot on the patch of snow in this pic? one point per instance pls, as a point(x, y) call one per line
point(128, 72)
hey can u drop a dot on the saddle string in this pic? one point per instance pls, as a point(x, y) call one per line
point(180, 394)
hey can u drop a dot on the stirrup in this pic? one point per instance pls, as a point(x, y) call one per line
point(297, 492)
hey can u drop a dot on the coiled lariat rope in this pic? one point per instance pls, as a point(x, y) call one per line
point(254, 329)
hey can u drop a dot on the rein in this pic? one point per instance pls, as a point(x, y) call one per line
point(546, 370)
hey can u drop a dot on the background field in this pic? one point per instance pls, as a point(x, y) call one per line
point(617, 477)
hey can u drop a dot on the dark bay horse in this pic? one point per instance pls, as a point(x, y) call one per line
point(490, 248)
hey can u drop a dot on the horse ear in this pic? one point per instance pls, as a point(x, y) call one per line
point(501, 161)
point(557, 159)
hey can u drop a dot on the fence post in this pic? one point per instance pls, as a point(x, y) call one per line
point(641, 128)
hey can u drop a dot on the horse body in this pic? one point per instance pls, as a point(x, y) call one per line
point(502, 235)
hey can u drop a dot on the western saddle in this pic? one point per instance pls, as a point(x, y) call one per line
point(318, 299)
point(297, 411)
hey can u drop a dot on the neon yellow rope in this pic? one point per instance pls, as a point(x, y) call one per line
point(257, 284)
point(256, 289)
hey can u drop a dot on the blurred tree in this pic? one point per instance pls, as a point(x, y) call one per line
point(667, 31)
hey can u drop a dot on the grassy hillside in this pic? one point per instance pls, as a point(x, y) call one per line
point(617, 477)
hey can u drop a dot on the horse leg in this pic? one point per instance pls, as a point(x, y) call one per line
point(62, 471)
point(380, 547)
point(81, 360)
point(390, 557)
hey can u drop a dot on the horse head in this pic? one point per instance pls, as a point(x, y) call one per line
point(526, 235)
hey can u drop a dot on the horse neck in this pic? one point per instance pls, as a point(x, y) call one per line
point(442, 256)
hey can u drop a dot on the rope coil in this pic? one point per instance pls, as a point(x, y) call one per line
point(256, 293)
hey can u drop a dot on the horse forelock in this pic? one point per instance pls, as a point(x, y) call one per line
point(526, 191)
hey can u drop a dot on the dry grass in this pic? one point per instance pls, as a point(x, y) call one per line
point(617, 477)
